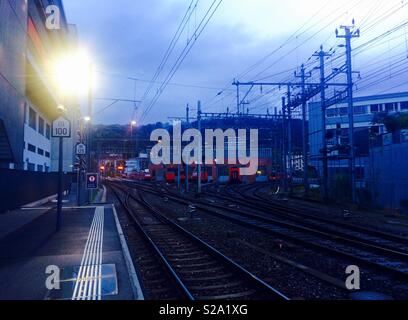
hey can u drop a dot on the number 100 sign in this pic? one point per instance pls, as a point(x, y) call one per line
point(61, 128)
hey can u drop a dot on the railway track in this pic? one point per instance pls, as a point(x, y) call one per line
point(361, 250)
point(309, 218)
point(199, 271)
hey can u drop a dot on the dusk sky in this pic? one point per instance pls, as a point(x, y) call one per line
point(128, 38)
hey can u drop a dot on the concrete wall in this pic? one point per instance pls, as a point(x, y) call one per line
point(13, 29)
point(21, 187)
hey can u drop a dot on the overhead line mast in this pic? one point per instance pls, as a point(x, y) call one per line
point(303, 76)
point(350, 33)
point(325, 181)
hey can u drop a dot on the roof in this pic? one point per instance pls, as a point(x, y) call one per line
point(6, 154)
point(373, 97)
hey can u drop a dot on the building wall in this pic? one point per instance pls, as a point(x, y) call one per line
point(13, 29)
point(388, 175)
point(26, 46)
point(38, 159)
point(365, 110)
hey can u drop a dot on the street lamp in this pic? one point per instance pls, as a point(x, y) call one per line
point(133, 124)
point(62, 109)
point(72, 75)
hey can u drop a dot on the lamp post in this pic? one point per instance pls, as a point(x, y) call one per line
point(61, 128)
point(73, 76)
point(89, 136)
point(133, 124)
point(216, 170)
point(84, 124)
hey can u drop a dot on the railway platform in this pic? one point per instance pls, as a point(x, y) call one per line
point(87, 260)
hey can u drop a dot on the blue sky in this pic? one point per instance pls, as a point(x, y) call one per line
point(128, 38)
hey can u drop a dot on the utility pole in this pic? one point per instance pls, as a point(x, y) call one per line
point(238, 100)
point(325, 181)
point(350, 33)
point(60, 182)
point(303, 77)
point(188, 161)
point(290, 148)
point(285, 140)
point(200, 152)
point(188, 114)
point(89, 129)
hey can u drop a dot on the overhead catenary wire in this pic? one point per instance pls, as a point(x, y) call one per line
point(199, 30)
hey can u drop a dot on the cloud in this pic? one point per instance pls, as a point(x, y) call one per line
point(129, 38)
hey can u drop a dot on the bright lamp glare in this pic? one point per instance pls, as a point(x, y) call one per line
point(73, 74)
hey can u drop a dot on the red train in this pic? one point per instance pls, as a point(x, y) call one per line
point(235, 176)
point(171, 175)
point(276, 177)
point(140, 176)
point(204, 177)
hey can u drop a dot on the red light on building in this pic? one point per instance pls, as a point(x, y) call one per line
point(121, 168)
point(102, 168)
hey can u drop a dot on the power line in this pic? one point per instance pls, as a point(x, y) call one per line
point(199, 30)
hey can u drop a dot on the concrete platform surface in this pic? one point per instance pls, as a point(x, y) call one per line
point(84, 261)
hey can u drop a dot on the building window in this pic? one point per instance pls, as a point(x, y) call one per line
point(48, 131)
point(390, 107)
point(40, 152)
point(375, 130)
point(375, 108)
point(343, 112)
point(404, 105)
point(41, 124)
point(360, 173)
point(331, 113)
point(47, 169)
point(32, 119)
point(47, 154)
point(25, 113)
point(40, 168)
point(31, 167)
point(31, 148)
point(360, 110)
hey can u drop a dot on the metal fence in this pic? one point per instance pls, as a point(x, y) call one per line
point(18, 188)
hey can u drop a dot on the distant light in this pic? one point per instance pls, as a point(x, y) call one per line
point(133, 123)
point(87, 119)
point(61, 108)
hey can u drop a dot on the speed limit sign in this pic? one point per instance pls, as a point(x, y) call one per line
point(61, 128)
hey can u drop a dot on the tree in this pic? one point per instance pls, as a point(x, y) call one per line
point(393, 122)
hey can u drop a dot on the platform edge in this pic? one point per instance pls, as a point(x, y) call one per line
point(136, 288)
